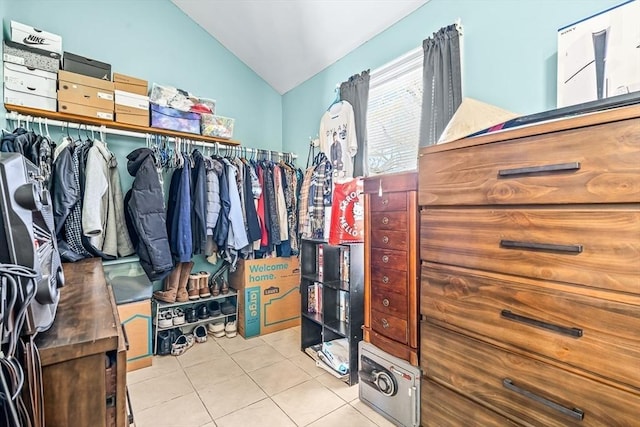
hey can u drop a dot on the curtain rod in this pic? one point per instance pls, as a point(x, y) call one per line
point(12, 115)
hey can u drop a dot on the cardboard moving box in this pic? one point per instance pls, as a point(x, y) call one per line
point(268, 295)
point(130, 84)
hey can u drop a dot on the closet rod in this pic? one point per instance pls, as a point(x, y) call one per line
point(12, 115)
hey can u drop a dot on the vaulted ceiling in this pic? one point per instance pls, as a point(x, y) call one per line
point(288, 41)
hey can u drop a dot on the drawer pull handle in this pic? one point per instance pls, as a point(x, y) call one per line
point(385, 220)
point(385, 324)
point(385, 279)
point(572, 412)
point(385, 239)
point(385, 201)
point(560, 167)
point(512, 244)
point(574, 332)
point(385, 259)
point(385, 302)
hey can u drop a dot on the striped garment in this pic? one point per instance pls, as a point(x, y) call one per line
point(303, 213)
point(320, 195)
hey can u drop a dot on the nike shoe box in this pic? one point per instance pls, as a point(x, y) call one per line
point(87, 66)
point(85, 96)
point(599, 56)
point(34, 37)
point(30, 57)
point(131, 108)
point(130, 84)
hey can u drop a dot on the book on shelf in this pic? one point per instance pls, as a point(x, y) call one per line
point(345, 255)
point(314, 298)
point(343, 306)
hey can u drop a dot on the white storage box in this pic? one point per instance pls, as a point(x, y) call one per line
point(34, 37)
point(132, 100)
point(16, 94)
point(599, 57)
point(39, 81)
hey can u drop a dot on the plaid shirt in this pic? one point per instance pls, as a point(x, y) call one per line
point(319, 196)
point(303, 213)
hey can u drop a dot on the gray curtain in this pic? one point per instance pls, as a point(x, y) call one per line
point(356, 92)
point(442, 90)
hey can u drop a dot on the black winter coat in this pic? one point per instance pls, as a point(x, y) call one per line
point(146, 217)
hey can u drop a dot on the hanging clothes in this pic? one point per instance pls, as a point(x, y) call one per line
point(179, 212)
point(146, 217)
point(73, 223)
point(237, 237)
point(304, 225)
point(251, 188)
point(320, 195)
point(214, 169)
point(102, 207)
point(198, 203)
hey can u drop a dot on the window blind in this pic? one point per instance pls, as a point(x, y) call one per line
point(393, 115)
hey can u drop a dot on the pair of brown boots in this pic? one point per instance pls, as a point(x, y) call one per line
point(198, 286)
point(175, 284)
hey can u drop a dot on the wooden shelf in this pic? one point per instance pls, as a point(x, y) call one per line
point(72, 118)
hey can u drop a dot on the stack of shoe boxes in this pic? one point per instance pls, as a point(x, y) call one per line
point(132, 102)
point(83, 95)
point(31, 61)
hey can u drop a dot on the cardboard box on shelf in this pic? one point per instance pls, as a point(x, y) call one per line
point(77, 90)
point(268, 295)
point(86, 66)
point(130, 84)
point(32, 57)
point(131, 115)
point(28, 35)
point(84, 110)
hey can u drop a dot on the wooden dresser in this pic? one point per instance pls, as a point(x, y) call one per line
point(391, 273)
point(530, 275)
point(83, 354)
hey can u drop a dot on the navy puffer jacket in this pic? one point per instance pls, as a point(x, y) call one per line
point(146, 217)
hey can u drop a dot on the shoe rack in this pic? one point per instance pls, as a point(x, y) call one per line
point(161, 307)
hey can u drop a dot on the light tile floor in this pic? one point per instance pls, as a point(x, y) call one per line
point(232, 382)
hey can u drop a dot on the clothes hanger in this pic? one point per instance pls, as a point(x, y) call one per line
point(337, 99)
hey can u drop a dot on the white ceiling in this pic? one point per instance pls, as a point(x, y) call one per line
point(288, 41)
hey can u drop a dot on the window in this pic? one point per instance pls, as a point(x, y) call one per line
point(393, 115)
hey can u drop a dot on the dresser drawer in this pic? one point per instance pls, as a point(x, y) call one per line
point(596, 164)
point(389, 326)
point(385, 258)
point(385, 278)
point(388, 302)
point(388, 202)
point(396, 221)
point(387, 239)
point(579, 330)
point(596, 248)
point(522, 388)
point(441, 407)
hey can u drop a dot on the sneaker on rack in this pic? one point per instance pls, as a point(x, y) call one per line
point(216, 329)
point(227, 307)
point(230, 329)
point(165, 319)
point(178, 317)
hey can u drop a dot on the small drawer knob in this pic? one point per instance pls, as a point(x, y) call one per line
point(385, 259)
point(385, 239)
point(385, 279)
point(385, 220)
point(385, 302)
point(385, 324)
point(385, 201)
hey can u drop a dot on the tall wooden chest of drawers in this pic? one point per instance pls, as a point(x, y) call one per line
point(391, 273)
point(530, 275)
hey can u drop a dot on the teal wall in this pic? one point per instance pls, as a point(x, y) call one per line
point(156, 41)
point(509, 57)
